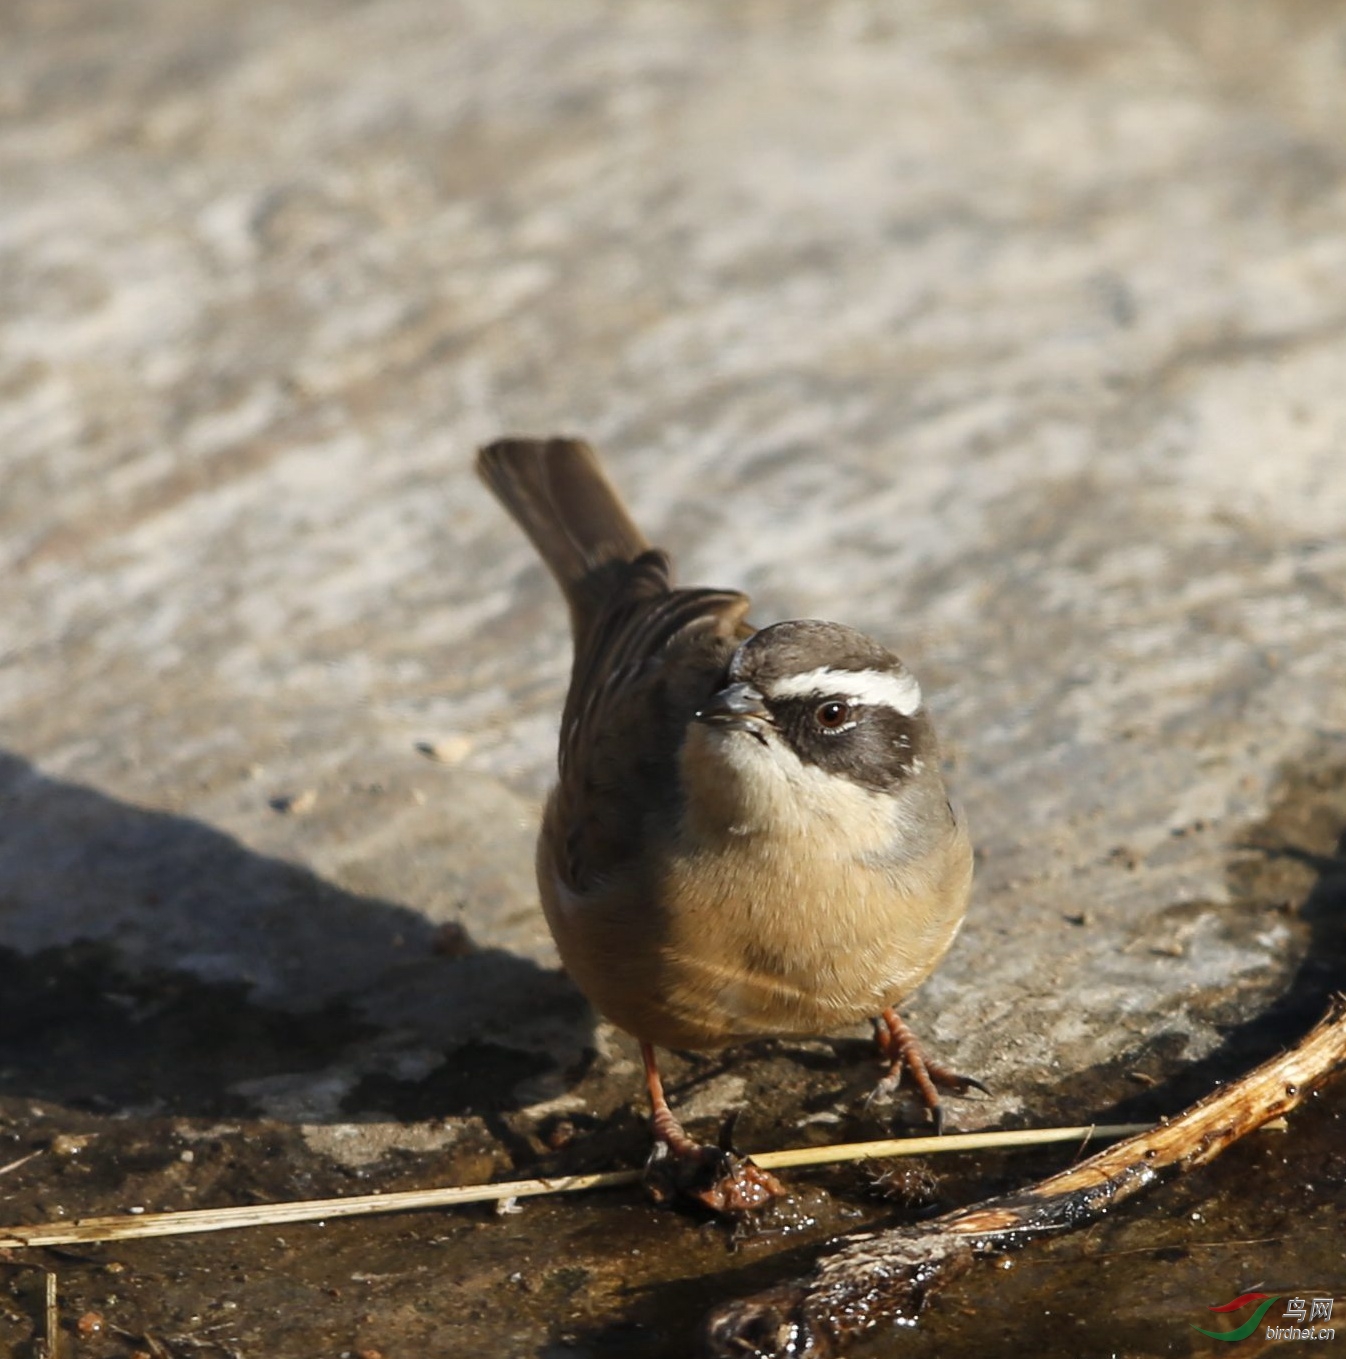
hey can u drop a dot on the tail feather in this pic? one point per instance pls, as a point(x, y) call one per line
point(557, 492)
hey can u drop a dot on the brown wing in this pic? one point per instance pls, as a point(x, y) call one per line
point(650, 661)
point(646, 655)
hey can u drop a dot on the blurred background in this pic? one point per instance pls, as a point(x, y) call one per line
point(1013, 334)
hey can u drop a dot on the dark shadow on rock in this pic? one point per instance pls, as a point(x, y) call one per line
point(150, 963)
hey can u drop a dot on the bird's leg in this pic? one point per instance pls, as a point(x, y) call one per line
point(663, 1120)
point(681, 1168)
point(901, 1049)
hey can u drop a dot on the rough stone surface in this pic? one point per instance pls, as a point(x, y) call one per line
point(1014, 334)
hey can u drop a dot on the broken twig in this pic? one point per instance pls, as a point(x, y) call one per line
point(51, 1327)
point(885, 1277)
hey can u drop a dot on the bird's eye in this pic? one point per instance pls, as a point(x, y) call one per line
point(833, 715)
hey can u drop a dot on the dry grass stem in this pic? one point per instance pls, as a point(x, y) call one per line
point(22, 1161)
point(316, 1210)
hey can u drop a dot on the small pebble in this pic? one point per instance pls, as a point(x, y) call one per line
point(447, 750)
point(451, 940)
point(70, 1144)
point(560, 1134)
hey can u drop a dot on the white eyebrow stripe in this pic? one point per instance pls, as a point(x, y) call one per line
point(881, 688)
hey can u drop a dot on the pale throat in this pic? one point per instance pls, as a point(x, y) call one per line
point(739, 790)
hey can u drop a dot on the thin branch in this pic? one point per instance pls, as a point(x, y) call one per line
point(314, 1210)
point(884, 1278)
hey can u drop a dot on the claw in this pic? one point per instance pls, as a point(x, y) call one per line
point(960, 1085)
point(712, 1177)
point(901, 1048)
point(726, 1139)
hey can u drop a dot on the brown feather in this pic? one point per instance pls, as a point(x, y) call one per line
point(646, 655)
point(557, 493)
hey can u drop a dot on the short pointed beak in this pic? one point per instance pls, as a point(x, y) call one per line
point(736, 705)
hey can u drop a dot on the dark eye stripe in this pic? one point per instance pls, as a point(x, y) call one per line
point(834, 715)
point(876, 747)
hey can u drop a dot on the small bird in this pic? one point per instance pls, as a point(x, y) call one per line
point(749, 835)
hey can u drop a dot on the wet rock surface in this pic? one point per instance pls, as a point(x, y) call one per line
point(1013, 335)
